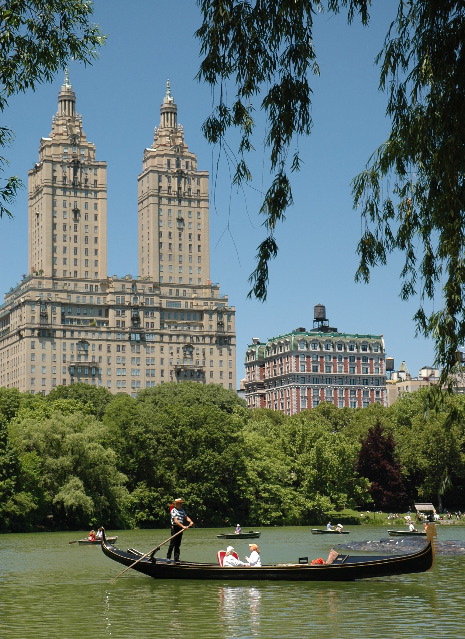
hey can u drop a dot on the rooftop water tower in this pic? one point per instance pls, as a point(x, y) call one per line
point(320, 321)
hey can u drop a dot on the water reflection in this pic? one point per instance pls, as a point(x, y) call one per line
point(106, 612)
point(239, 608)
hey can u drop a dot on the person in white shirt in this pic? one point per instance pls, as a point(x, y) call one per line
point(230, 560)
point(254, 558)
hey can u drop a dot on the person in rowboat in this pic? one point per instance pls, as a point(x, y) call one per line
point(339, 528)
point(179, 518)
point(328, 526)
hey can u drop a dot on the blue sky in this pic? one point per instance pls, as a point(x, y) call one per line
point(119, 97)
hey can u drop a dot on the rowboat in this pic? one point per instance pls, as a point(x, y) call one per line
point(242, 535)
point(95, 542)
point(407, 533)
point(324, 531)
point(342, 568)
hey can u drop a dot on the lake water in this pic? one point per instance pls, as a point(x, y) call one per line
point(51, 589)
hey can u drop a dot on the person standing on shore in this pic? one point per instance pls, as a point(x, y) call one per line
point(179, 517)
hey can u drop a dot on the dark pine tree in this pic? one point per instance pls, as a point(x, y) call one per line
point(377, 462)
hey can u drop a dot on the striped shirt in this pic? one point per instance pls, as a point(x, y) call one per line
point(180, 514)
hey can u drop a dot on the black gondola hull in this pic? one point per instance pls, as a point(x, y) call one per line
point(345, 568)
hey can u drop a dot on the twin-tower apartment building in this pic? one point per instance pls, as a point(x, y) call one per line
point(68, 321)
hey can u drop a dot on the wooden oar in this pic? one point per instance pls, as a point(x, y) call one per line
point(151, 552)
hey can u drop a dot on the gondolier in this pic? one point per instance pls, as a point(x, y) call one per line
point(179, 519)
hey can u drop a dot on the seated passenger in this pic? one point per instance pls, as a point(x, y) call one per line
point(238, 530)
point(230, 561)
point(333, 554)
point(254, 558)
point(339, 528)
point(328, 526)
point(91, 536)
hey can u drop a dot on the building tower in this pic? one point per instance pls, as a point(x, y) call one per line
point(173, 207)
point(67, 321)
point(68, 200)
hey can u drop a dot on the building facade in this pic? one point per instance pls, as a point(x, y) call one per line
point(68, 321)
point(301, 369)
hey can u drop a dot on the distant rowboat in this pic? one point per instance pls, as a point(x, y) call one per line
point(95, 542)
point(324, 531)
point(242, 535)
point(407, 533)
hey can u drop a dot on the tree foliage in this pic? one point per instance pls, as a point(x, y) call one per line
point(412, 192)
point(70, 474)
point(62, 467)
point(431, 445)
point(379, 464)
point(190, 393)
point(96, 399)
point(37, 38)
point(264, 49)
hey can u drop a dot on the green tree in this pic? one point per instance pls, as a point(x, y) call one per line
point(265, 50)
point(411, 194)
point(10, 401)
point(37, 38)
point(96, 398)
point(189, 394)
point(13, 502)
point(268, 487)
point(133, 434)
point(199, 454)
point(323, 463)
point(421, 212)
point(431, 446)
point(68, 469)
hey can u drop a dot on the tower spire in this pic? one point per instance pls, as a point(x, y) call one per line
point(168, 110)
point(67, 97)
point(168, 97)
point(67, 83)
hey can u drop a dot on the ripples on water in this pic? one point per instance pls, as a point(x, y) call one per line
point(49, 589)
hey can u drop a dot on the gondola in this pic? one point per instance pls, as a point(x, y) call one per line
point(343, 568)
point(324, 531)
point(407, 533)
point(95, 542)
point(242, 535)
